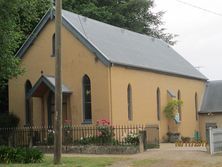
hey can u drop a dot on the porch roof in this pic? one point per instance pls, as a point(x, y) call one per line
point(45, 83)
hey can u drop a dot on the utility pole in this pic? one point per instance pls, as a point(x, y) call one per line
point(58, 85)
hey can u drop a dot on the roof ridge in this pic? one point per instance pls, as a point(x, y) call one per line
point(120, 28)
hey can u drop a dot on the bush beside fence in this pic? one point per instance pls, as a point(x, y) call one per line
point(20, 155)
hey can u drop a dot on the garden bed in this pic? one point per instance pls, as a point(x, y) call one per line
point(92, 149)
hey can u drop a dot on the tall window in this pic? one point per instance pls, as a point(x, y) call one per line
point(87, 110)
point(179, 107)
point(53, 45)
point(129, 102)
point(28, 103)
point(158, 103)
point(196, 105)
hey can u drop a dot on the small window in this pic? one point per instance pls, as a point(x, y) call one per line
point(129, 102)
point(179, 106)
point(28, 103)
point(87, 110)
point(158, 103)
point(196, 105)
point(53, 45)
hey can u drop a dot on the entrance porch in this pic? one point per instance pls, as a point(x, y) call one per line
point(44, 90)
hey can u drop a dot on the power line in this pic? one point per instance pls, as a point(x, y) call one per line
point(200, 8)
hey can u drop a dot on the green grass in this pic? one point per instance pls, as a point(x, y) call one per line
point(71, 162)
point(143, 163)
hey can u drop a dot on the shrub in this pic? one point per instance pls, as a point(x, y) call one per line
point(171, 108)
point(50, 138)
point(104, 131)
point(185, 139)
point(20, 155)
point(8, 120)
point(88, 140)
point(104, 135)
point(132, 138)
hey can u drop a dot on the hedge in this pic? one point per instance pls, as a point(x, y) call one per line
point(20, 155)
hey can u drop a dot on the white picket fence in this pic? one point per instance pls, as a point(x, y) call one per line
point(215, 140)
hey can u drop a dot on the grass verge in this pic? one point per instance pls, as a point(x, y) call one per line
point(71, 162)
point(143, 163)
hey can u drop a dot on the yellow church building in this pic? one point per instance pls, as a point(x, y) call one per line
point(108, 73)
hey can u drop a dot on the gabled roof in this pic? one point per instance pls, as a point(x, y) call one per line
point(212, 101)
point(117, 46)
point(45, 83)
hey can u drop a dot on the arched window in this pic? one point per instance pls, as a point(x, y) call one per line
point(87, 111)
point(158, 103)
point(129, 102)
point(196, 105)
point(179, 107)
point(28, 103)
point(53, 45)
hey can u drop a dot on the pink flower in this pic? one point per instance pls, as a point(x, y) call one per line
point(98, 133)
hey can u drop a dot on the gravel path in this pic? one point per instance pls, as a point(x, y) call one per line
point(167, 156)
point(170, 156)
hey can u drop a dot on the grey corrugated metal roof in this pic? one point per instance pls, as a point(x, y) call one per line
point(51, 80)
point(114, 45)
point(212, 101)
point(128, 48)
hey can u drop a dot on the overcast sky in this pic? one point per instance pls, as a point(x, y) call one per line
point(200, 32)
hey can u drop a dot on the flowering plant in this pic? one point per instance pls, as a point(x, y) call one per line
point(50, 138)
point(104, 131)
point(132, 138)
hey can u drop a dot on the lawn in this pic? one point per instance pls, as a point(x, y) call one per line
point(143, 163)
point(72, 162)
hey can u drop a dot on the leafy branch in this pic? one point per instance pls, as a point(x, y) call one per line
point(172, 108)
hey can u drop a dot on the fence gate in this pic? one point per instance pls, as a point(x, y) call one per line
point(208, 126)
point(152, 136)
point(215, 140)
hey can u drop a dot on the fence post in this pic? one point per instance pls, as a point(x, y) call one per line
point(30, 138)
point(141, 141)
point(211, 140)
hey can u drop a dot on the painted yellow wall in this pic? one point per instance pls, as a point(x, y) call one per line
point(144, 85)
point(204, 118)
point(77, 61)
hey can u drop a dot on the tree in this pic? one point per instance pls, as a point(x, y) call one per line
point(18, 19)
point(9, 42)
point(135, 15)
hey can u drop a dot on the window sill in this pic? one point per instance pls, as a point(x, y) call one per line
point(85, 122)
